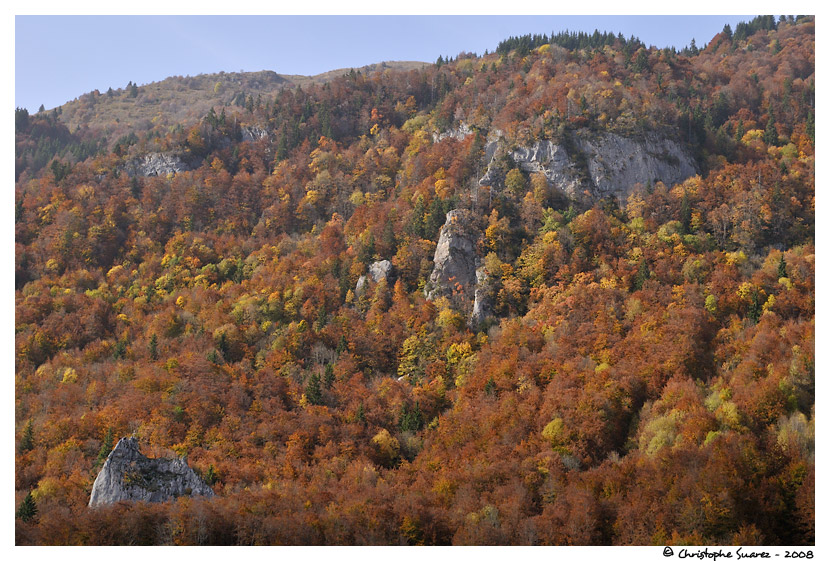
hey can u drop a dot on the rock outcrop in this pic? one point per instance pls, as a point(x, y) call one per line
point(459, 133)
point(378, 271)
point(254, 133)
point(156, 164)
point(482, 300)
point(604, 164)
point(454, 273)
point(128, 475)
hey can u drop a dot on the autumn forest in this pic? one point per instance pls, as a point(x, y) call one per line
point(251, 281)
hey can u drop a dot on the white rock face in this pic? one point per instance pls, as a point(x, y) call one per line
point(459, 133)
point(252, 134)
point(454, 273)
point(615, 164)
point(380, 270)
point(128, 475)
point(483, 301)
point(553, 161)
point(156, 164)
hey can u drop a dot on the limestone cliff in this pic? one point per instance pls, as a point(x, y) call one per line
point(128, 475)
point(603, 164)
point(454, 273)
point(156, 164)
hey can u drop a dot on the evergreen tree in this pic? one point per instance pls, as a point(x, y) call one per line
point(770, 133)
point(782, 267)
point(21, 119)
point(154, 347)
point(27, 439)
point(642, 274)
point(342, 345)
point(740, 130)
point(410, 421)
point(211, 475)
point(415, 227)
point(313, 393)
point(434, 219)
point(811, 126)
point(28, 509)
point(754, 311)
point(727, 30)
point(328, 376)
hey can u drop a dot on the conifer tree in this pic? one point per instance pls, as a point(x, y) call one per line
point(27, 440)
point(27, 509)
point(313, 393)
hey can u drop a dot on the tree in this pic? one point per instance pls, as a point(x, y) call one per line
point(21, 119)
point(41, 109)
point(154, 347)
point(770, 133)
point(782, 267)
point(727, 31)
point(106, 448)
point(27, 509)
point(313, 393)
point(27, 439)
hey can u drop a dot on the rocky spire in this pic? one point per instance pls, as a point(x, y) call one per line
point(128, 475)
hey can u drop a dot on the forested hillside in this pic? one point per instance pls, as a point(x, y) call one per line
point(627, 361)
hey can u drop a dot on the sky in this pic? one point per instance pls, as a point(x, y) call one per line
point(59, 58)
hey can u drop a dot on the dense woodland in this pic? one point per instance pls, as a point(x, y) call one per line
point(648, 377)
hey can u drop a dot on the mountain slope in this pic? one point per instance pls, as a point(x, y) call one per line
point(282, 292)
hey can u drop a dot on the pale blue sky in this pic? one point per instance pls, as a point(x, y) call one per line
point(58, 58)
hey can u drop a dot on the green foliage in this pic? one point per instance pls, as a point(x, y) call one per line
point(21, 119)
point(27, 510)
point(782, 267)
point(313, 392)
point(211, 476)
point(153, 347)
point(410, 420)
point(27, 439)
point(106, 448)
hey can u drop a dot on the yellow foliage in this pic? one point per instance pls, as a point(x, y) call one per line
point(69, 376)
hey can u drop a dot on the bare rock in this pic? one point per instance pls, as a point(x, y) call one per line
point(603, 164)
point(380, 270)
point(454, 272)
point(459, 133)
point(128, 475)
point(482, 301)
point(253, 133)
point(156, 164)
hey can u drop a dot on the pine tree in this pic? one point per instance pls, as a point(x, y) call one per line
point(154, 347)
point(771, 134)
point(642, 274)
point(328, 376)
point(313, 393)
point(211, 475)
point(28, 509)
point(782, 267)
point(27, 439)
